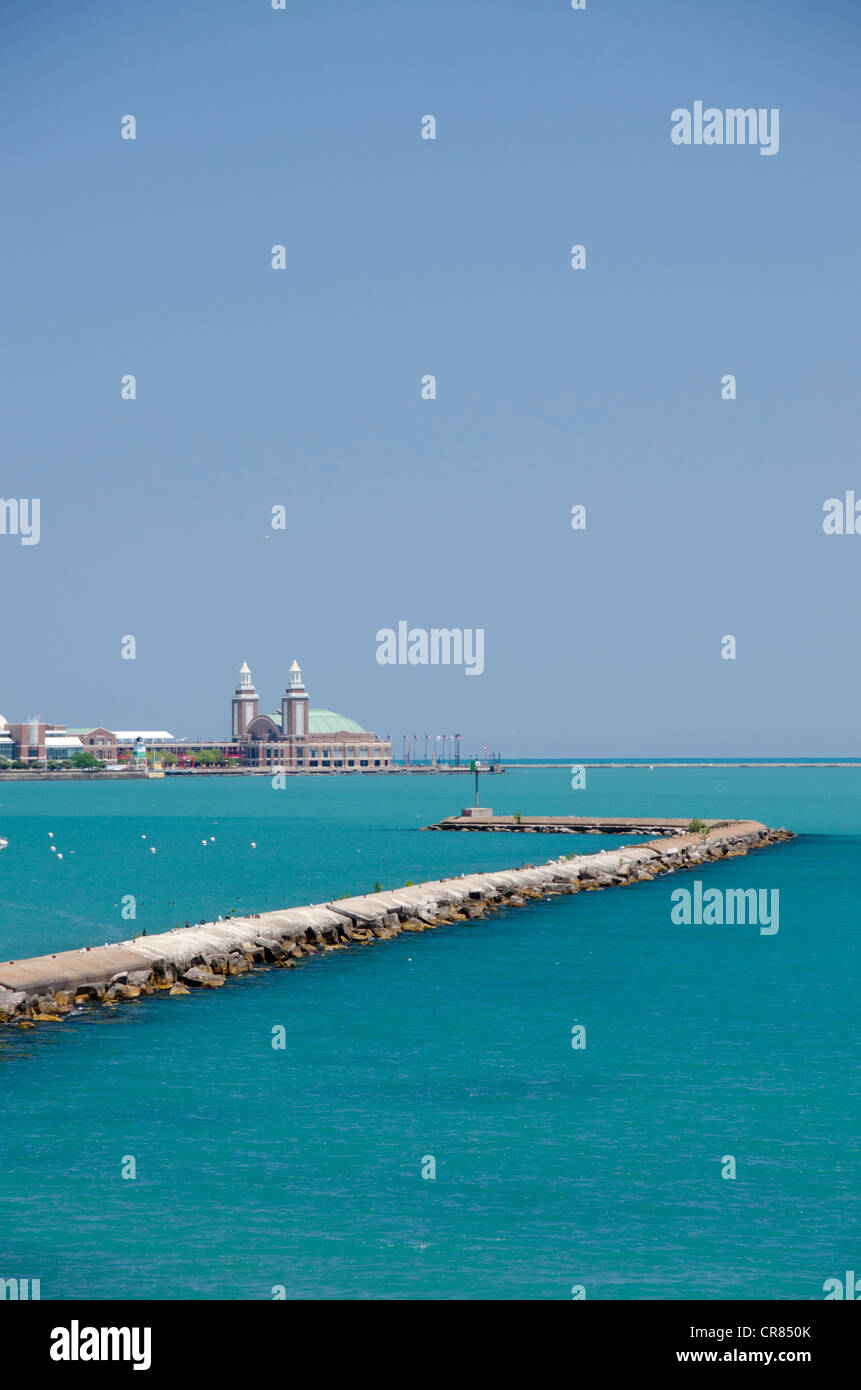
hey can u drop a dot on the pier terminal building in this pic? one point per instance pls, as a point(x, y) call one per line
point(299, 738)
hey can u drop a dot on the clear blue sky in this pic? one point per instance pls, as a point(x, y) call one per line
point(407, 257)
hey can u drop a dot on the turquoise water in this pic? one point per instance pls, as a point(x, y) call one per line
point(554, 1167)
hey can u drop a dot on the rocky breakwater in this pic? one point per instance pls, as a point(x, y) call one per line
point(50, 988)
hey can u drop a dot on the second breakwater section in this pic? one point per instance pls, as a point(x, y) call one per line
point(49, 988)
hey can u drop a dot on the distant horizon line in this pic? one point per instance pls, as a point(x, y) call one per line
point(668, 759)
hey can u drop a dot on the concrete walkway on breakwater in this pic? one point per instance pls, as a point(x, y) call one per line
point(48, 988)
point(576, 825)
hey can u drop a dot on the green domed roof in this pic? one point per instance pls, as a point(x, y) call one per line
point(325, 721)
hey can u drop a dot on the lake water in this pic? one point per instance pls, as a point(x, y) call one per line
point(554, 1167)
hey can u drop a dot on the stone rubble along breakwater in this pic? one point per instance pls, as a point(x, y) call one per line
point(478, 819)
point(48, 988)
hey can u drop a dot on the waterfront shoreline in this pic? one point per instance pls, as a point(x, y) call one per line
point(21, 775)
point(37, 775)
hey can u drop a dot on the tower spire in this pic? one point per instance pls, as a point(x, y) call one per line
point(245, 704)
point(294, 705)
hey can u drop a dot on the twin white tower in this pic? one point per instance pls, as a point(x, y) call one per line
point(294, 704)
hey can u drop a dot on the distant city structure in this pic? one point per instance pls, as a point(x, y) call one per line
point(295, 738)
point(35, 742)
point(298, 738)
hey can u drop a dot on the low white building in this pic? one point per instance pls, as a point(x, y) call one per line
point(153, 738)
point(59, 746)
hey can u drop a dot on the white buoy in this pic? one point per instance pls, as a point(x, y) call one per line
point(59, 856)
point(143, 837)
point(50, 834)
point(253, 844)
point(152, 849)
point(203, 842)
point(54, 849)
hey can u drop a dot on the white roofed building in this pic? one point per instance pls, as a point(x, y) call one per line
point(61, 745)
point(156, 738)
